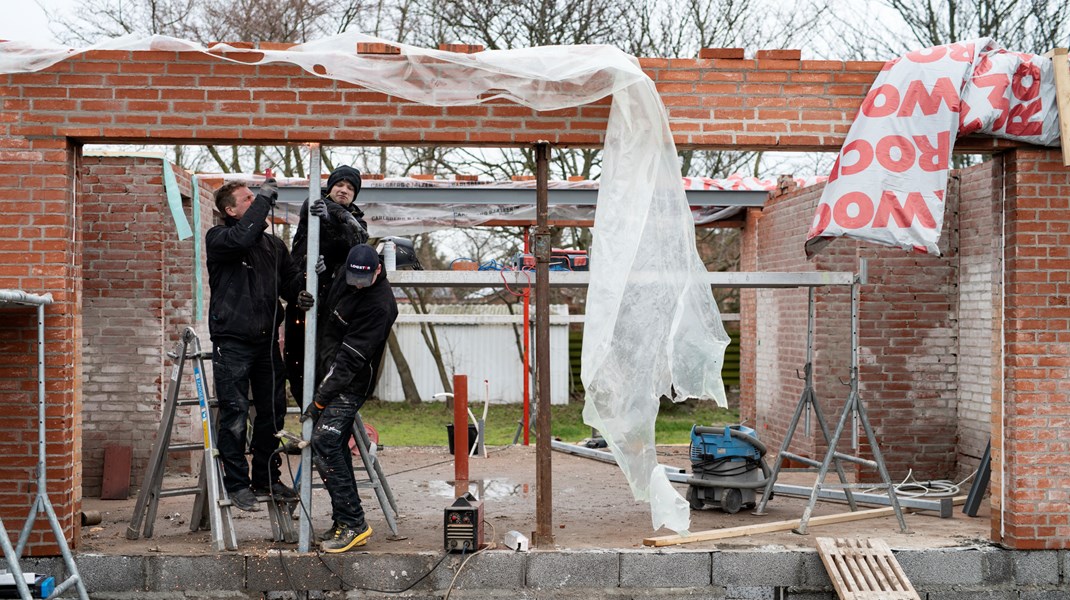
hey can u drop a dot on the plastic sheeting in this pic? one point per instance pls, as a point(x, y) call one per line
point(888, 183)
point(652, 326)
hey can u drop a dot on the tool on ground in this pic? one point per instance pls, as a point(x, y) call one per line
point(211, 508)
point(463, 524)
point(727, 465)
point(40, 586)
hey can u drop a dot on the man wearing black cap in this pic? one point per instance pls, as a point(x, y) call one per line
point(342, 227)
point(352, 341)
point(248, 269)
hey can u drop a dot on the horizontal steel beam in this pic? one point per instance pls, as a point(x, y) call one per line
point(578, 279)
point(470, 319)
point(516, 196)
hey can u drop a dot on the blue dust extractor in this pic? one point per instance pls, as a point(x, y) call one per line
point(727, 467)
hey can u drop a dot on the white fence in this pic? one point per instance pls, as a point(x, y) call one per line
point(482, 342)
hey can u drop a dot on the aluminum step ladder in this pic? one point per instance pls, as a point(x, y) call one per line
point(853, 410)
point(212, 506)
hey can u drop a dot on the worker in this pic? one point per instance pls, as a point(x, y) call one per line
point(248, 270)
point(342, 227)
point(362, 311)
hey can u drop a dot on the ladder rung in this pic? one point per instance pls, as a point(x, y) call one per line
point(186, 491)
point(185, 447)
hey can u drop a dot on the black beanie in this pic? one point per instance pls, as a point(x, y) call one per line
point(344, 173)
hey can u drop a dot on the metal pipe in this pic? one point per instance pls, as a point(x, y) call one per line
point(527, 350)
point(544, 520)
point(22, 297)
point(460, 432)
point(304, 537)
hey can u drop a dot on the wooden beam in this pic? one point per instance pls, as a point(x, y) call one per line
point(731, 532)
point(1061, 68)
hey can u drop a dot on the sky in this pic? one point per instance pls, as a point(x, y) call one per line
point(25, 19)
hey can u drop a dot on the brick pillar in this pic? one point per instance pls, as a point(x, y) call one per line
point(41, 250)
point(1030, 427)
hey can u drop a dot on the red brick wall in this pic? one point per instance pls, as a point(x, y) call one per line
point(907, 368)
point(1036, 332)
point(138, 295)
point(164, 97)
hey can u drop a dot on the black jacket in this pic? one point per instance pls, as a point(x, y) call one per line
point(248, 270)
point(336, 239)
point(354, 337)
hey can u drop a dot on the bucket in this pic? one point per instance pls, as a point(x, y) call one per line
point(473, 432)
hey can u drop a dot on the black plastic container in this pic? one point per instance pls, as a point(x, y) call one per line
point(473, 432)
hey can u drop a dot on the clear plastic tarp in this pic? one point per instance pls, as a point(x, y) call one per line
point(652, 327)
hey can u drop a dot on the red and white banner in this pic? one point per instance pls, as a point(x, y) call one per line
point(887, 185)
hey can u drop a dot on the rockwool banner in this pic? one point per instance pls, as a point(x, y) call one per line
point(887, 185)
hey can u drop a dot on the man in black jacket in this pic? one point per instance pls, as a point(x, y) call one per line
point(248, 270)
point(342, 227)
point(362, 311)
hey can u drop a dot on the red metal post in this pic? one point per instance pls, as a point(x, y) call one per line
point(460, 428)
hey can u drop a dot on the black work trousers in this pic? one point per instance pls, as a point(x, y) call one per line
point(334, 460)
point(237, 368)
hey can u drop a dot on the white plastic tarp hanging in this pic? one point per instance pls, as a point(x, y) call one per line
point(652, 324)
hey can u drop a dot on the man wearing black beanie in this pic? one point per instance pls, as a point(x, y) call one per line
point(342, 226)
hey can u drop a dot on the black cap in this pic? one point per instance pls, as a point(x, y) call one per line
point(344, 173)
point(361, 265)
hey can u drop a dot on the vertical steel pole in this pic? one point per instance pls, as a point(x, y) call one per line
point(311, 285)
point(527, 350)
point(544, 519)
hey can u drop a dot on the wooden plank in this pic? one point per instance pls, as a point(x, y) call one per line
point(731, 532)
point(1060, 66)
point(864, 570)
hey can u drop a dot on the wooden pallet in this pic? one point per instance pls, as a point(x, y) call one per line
point(864, 570)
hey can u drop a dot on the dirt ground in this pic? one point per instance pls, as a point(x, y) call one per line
point(592, 509)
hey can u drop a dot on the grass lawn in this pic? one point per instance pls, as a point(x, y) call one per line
point(399, 424)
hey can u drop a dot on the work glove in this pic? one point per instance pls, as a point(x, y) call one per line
point(320, 266)
point(305, 300)
point(319, 209)
point(313, 410)
point(269, 190)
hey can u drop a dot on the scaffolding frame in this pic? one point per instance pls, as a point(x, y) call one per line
point(41, 503)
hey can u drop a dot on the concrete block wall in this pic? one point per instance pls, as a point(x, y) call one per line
point(666, 574)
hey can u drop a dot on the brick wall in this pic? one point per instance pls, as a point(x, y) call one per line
point(138, 294)
point(907, 342)
point(168, 97)
point(979, 189)
point(1036, 332)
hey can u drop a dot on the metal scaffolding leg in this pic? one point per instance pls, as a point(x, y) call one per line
point(807, 402)
point(854, 409)
point(41, 503)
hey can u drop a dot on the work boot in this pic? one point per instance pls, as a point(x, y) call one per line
point(329, 533)
point(244, 499)
point(347, 537)
point(279, 492)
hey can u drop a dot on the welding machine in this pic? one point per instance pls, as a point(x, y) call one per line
point(727, 467)
point(40, 586)
point(463, 527)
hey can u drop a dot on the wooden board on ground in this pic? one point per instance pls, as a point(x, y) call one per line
point(731, 532)
point(864, 570)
